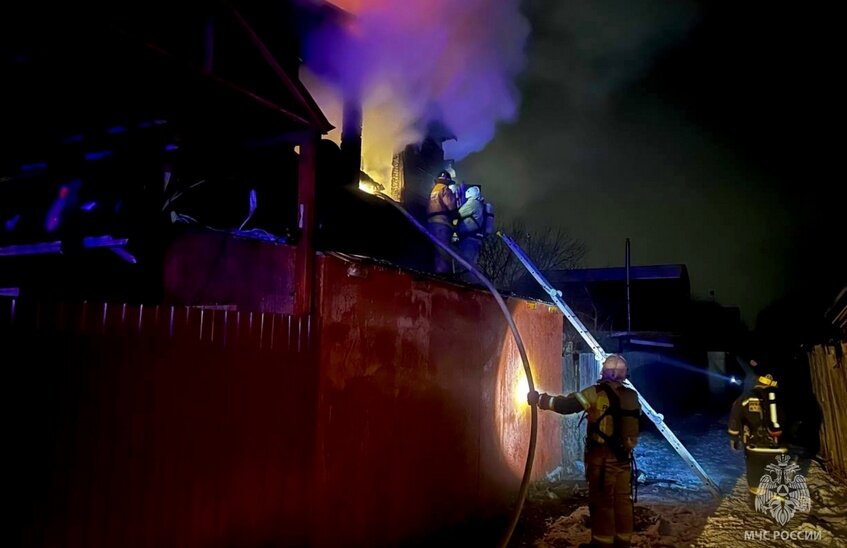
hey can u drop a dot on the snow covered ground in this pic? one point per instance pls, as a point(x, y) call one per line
point(673, 509)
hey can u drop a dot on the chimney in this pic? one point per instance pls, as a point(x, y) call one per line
point(351, 141)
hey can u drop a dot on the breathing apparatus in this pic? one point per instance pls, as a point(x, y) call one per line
point(771, 418)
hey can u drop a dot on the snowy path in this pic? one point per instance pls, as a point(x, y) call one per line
point(673, 509)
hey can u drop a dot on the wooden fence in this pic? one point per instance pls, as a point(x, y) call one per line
point(829, 381)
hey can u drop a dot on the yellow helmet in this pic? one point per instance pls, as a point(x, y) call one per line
point(767, 380)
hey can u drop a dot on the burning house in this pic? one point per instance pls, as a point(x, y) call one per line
point(201, 354)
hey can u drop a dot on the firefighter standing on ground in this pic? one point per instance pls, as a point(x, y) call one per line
point(755, 423)
point(612, 433)
point(440, 213)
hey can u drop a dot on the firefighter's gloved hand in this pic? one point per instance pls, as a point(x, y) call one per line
point(735, 444)
point(543, 401)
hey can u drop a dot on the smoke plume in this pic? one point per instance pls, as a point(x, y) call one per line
point(412, 62)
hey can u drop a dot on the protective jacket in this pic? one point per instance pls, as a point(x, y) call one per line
point(756, 422)
point(441, 208)
point(471, 219)
point(612, 412)
point(756, 419)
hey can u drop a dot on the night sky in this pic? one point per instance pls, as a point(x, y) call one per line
point(707, 134)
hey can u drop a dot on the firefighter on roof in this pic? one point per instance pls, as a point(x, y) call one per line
point(612, 433)
point(470, 227)
point(440, 213)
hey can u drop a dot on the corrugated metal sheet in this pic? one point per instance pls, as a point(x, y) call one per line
point(422, 421)
point(394, 413)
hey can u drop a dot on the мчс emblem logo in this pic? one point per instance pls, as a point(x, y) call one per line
point(782, 491)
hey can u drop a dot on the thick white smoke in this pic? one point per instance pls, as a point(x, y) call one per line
point(416, 61)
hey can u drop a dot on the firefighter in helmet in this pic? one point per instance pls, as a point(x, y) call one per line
point(440, 213)
point(470, 227)
point(755, 423)
point(612, 433)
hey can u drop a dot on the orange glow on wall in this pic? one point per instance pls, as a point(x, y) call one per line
point(511, 411)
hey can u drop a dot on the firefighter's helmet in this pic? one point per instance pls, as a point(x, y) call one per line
point(445, 177)
point(767, 380)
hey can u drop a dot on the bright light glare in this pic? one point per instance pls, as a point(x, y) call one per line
point(521, 389)
point(367, 187)
point(367, 184)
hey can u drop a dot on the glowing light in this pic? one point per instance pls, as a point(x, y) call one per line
point(459, 91)
point(521, 390)
point(511, 412)
point(733, 380)
point(370, 186)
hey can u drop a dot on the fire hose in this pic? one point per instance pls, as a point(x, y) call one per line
point(533, 434)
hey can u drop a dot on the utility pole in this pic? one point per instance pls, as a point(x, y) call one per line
point(628, 300)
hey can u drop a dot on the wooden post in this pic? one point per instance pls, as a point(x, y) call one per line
point(829, 382)
point(304, 263)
